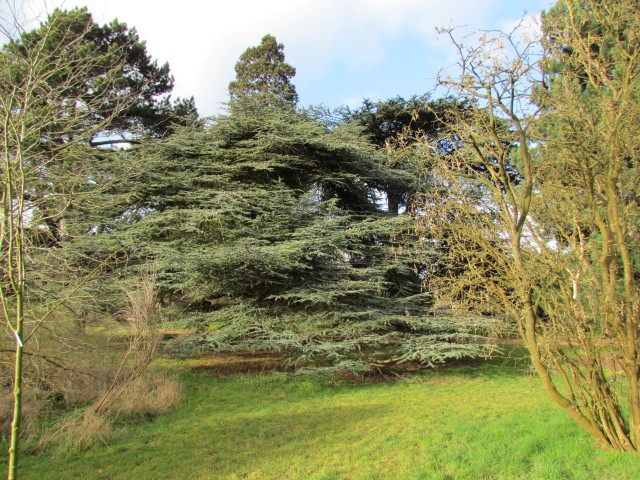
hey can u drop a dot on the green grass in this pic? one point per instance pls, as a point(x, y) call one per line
point(490, 421)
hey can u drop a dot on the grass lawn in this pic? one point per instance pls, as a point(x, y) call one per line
point(490, 421)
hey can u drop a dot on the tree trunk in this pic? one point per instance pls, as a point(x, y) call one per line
point(12, 467)
point(393, 202)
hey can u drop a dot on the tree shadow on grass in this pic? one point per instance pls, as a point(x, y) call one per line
point(508, 361)
point(224, 446)
point(255, 441)
point(255, 423)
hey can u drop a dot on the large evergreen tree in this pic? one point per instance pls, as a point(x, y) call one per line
point(269, 230)
point(390, 124)
point(261, 72)
point(139, 76)
point(133, 93)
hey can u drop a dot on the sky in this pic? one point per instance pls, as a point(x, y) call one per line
point(343, 50)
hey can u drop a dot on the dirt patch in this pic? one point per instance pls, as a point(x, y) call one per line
point(233, 363)
point(264, 362)
point(397, 371)
point(175, 333)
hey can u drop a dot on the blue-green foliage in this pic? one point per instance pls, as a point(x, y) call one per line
point(269, 232)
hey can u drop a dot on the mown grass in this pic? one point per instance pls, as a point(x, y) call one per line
point(487, 421)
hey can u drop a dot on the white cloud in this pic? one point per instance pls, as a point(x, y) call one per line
point(527, 28)
point(202, 40)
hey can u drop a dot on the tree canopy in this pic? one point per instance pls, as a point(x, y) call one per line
point(74, 32)
point(269, 235)
point(262, 73)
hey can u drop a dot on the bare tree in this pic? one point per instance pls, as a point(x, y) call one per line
point(536, 211)
point(42, 127)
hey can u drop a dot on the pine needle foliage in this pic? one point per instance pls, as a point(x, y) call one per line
point(262, 73)
point(269, 233)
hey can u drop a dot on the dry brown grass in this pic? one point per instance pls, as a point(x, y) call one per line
point(77, 431)
point(143, 343)
point(149, 395)
point(102, 380)
point(33, 401)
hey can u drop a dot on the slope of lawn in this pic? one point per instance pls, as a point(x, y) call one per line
point(486, 421)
